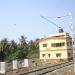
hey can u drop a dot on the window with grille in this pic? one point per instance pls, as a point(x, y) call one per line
point(44, 45)
point(58, 44)
point(43, 55)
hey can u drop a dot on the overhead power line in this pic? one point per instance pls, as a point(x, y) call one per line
point(58, 16)
point(51, 22)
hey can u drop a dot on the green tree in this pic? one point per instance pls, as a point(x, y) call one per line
point(13, 52)
point(13, 46)
point(36, 43)
point(22, 48)
point(33, 48)
point(4, 49)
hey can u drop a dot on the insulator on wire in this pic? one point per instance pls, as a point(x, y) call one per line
point(61, 30)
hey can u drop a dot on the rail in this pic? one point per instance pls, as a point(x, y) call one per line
point(42, 71)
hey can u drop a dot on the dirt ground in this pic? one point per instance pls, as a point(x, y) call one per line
point(64, 72)
point(69, 72)
point(15, 72)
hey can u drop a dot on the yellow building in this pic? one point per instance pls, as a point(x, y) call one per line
point(56, 47)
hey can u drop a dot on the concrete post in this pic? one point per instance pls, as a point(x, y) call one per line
point(3, 67)
point(26, 63)
point(74, 64)
point(15, 64)
point(44, 58)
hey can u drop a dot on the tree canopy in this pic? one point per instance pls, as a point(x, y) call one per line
point(10, 50)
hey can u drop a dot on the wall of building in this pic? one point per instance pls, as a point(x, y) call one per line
point(49, 42)
point(65, 51)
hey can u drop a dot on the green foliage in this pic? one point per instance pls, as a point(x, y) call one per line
point(11, 50)
point(33, 49)
point(11, 57)
point(61, 60)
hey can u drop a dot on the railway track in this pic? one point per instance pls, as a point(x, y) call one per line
point(44, 71)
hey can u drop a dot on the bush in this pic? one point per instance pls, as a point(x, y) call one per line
point(61, 60)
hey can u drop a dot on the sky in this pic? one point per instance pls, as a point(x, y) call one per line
point(22, 17)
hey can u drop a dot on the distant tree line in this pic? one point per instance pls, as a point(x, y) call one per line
point(10, 50)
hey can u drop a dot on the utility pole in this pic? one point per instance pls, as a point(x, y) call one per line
point(73, 36)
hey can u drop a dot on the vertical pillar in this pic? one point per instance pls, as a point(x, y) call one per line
point(44, 58)
point(73, 44)
point(3, 67)
point(74, 64)
point(15, 64)
point(26, 63)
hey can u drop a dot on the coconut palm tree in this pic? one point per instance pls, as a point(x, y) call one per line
point(4, 49)
point(23, 47)
point(13, 46)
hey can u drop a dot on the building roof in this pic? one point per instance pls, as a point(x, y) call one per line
point(63, 35)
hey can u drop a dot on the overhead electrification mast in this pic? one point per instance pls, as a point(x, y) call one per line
point(71, 26)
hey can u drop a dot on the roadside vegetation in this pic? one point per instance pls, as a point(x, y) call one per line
point(10, 50)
